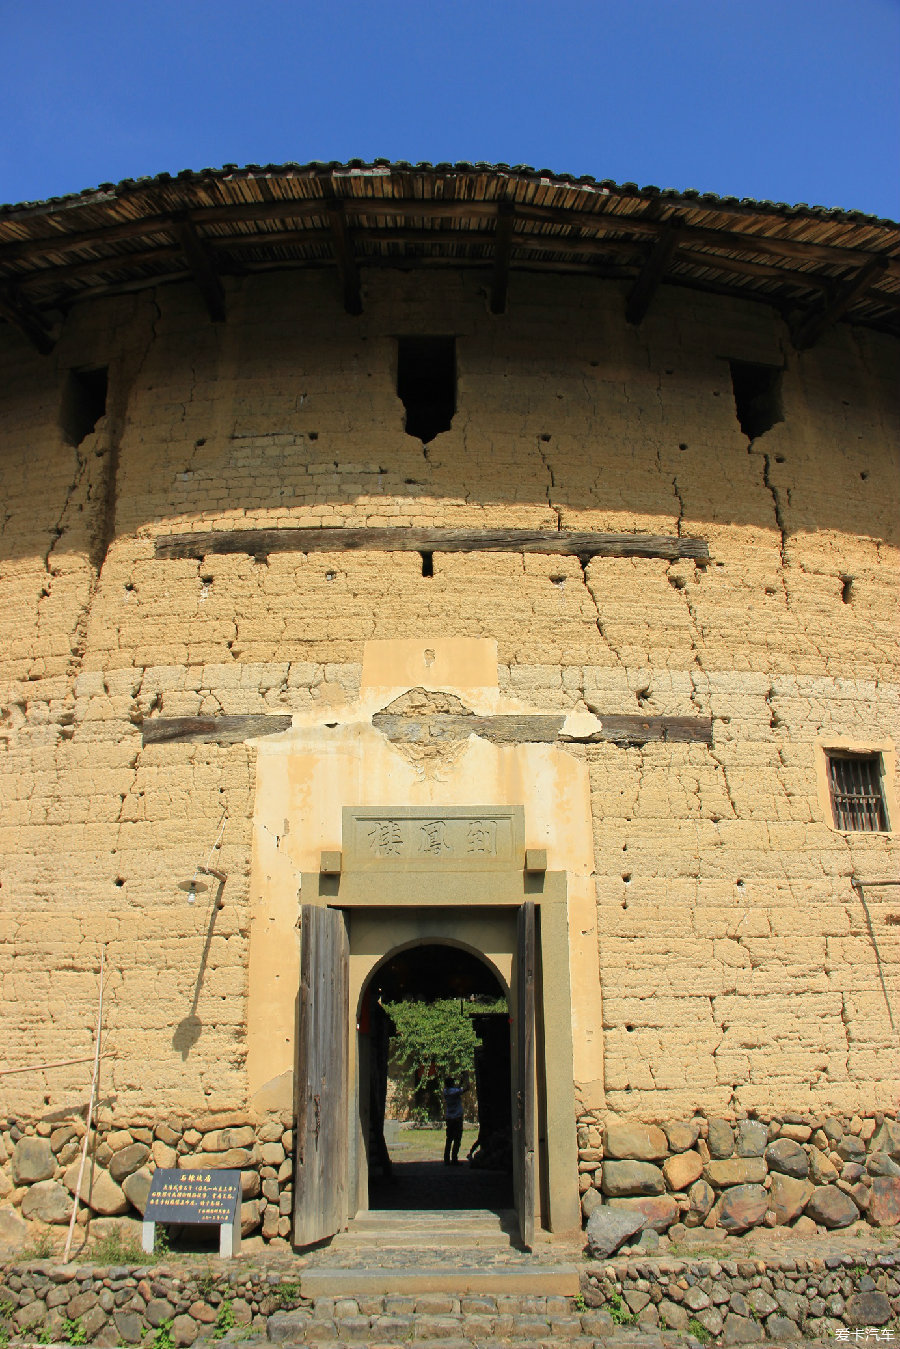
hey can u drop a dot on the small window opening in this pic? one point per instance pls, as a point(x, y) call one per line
point(426, 384)
point(857, 795)
point(847, 589)
point(427, 563)
point(83, 402)
point(757, 396)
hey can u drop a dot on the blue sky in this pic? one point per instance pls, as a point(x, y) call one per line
point(794, 100)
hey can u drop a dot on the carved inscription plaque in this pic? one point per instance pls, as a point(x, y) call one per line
point(415, 838)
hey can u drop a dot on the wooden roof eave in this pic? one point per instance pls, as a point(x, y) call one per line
point(516, 223)
point(751, 241)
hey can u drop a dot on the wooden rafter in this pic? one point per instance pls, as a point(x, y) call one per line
point(19, 311)
point(502, 251)
point(202, 268)
point(651, 273)
point(808, 331)
point(346, 261)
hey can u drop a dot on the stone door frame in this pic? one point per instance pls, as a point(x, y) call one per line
point(457, 896)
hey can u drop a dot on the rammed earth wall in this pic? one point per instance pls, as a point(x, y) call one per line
point(739, 967)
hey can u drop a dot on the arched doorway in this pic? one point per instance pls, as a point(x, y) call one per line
point(358, 924)
point(432, 1009)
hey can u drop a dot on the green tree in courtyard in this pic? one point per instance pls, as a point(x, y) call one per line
point(434, 1040)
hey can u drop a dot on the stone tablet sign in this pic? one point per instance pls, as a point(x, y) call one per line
point(196, 1197)
point(417, 838)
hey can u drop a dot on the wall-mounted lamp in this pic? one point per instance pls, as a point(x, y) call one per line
point(192, 888)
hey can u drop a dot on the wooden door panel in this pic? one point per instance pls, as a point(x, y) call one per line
point(321, 1172)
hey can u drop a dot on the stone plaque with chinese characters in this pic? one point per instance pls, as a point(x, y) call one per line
point(193, 1196)
point(418, 838)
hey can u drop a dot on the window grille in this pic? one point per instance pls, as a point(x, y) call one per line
point(856, 796)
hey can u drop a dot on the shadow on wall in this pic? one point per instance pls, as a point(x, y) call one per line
point(190, 1027)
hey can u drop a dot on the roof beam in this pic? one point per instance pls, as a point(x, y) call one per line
point(343, 252)
point(808, 330)
point(651, 273)
point(74, 271)
point(717, 262)
point(22, 315)
point(503, 241)
point(429, 209)
point(594, 247)
point(66, 243)
point(200, 263)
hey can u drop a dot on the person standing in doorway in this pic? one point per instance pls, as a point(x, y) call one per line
point(453, 1118)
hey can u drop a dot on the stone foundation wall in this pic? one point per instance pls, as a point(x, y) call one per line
point(738, 1301)
point(121, 1304)
point(812, 1173)
point(748, 1300)
point(40, 1163)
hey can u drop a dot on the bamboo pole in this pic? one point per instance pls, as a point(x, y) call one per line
point(91, 1103)
point(60, 1063)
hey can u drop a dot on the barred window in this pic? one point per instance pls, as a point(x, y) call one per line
point(857, 798)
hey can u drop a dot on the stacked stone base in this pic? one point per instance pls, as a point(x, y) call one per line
point(124, 1304)
point(734, 1301)
point(40, 1163)
point(744, 1301)
point(809, 1172)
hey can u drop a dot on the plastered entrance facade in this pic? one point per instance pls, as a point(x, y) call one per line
point(445, 849)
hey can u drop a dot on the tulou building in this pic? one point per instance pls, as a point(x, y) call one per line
point(464, 579)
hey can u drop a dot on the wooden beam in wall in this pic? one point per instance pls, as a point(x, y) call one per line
point(651, 273)
point(219, 730)
point(202, 268)
point(627, 730)
point(503, 240)
point(343, 252)
point(299, 539)
point(809, 329)
point(410, 728)
point(632, 729)
point(22, 314)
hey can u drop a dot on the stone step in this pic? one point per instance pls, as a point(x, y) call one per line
point(444, 1238)
point(550, 1325)
point(477, 1219)
point(368, 1279)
